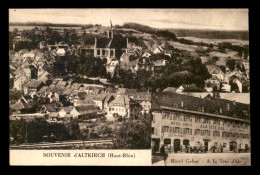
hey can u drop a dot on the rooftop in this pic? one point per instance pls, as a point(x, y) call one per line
point(185, 102)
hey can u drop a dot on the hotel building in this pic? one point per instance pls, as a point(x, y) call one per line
point(180, 120)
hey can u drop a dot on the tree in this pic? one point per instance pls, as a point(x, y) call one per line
point(231, 64)
point(134, 134)
point(15, 31)
point(17, 130)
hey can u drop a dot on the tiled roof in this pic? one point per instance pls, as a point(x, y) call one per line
point(33, 84)
point(67, 109)
point(43, 89)
point(193, 104)
point(84, 102)
point(87, 109)
point(142, 96)
point(121, 100)
point(100, 97)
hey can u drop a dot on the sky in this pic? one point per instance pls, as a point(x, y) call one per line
point(217, 19)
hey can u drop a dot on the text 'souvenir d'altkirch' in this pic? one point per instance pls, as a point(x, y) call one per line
point(169, 87)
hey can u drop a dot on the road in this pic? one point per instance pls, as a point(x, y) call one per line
point(208, 159)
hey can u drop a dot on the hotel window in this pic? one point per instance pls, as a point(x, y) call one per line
point(202, 132)
point(98, 52)
point(216, 133)
point(240, 136)
point(207, 132)
point(197, 119)
point(197, 131)
point(186, 131)
point(216, 122)
point(171, 129)
point(187, 118)
point(207, 121)
point(177, 130)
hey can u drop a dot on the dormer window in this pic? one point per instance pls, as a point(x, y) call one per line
point(216, 112)
point(199, 109)
point(245, 112)
point(175, 105)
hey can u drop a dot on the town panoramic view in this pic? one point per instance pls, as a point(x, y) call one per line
point(173, 81)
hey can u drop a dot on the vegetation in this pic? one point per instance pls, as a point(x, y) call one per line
point(39, 130)
point(134, 134)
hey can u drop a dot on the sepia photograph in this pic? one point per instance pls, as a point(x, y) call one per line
point(120, 84)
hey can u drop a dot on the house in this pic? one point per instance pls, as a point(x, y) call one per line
point(170, 89)
point(186, 88)
point(159, 65)
point(157, 49)
point(226, 87)
point(20, 81)
point(50, 108)
point(144, 99)
point(124, 106)
point(31, 87)
point(99, 100)
point(212, 83)
point(84, 102)
point(146, 54)
point(64, 111)
point(108, 99)
point(87, 112)
point(22, 106)
point(61, 52)
point(215, 72)
point(61, 83)
point(19, 72)
point(43, 91)
point(111, 67)
point(42, 44)
point(75, 86)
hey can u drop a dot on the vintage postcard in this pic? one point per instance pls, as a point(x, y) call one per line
point(129, 87)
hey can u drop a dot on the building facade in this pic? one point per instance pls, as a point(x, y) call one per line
point(180, 121)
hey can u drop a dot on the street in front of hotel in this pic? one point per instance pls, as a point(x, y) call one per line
point(209, 159)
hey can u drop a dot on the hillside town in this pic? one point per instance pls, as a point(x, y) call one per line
point(87, 83)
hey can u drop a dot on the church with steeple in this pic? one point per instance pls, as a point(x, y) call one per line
point(108, 46)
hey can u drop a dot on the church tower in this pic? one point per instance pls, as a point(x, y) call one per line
point(110, 32)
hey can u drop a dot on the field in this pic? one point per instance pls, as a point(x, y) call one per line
point(189, 48)
point(21, 28)
point(208, 41)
